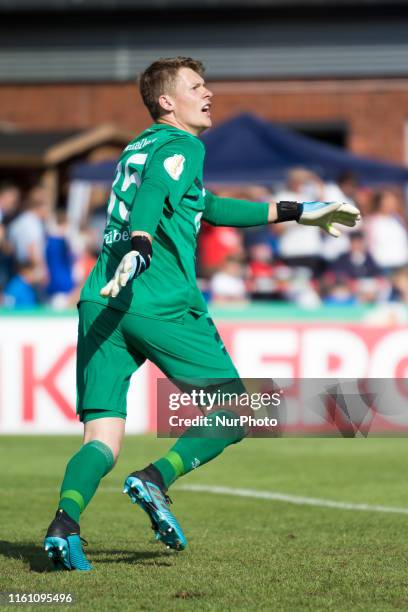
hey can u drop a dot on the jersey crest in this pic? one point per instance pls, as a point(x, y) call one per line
point(174, 166)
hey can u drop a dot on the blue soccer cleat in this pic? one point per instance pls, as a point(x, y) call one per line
point(63, 544)
point(154, 501)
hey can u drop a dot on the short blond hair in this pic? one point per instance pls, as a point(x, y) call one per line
point(159, 79)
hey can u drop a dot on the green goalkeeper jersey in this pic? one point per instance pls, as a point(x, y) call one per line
point(168, 161)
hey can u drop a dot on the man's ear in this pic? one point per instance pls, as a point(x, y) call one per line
point(166, 103)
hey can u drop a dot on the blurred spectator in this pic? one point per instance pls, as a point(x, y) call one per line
point(96, 218)
point(387, 232)
point(86, 255)
point(340, 294)
point(301, 288)
point(60, 260)
point(345, 190)
point(9, 201)
point(399, 291)
point(215, 245)
point(357, 262)
point(267, 279)
point(228, 285)
point(265, 234)
point(394, 311)
point(27, 232)
point(19, 291)
point(367, 290)
point(297, 245)
point(348, 185)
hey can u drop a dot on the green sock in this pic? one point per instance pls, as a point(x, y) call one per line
point(84, 472)
point(197, 446)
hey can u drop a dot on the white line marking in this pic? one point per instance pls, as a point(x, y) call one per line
point(298, 500)
point(291, 499)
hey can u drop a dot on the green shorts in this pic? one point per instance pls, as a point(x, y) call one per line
point(113, 344)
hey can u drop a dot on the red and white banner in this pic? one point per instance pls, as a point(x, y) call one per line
point(37, 365)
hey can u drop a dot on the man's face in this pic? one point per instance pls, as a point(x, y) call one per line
point(189, 104)
point(9, 200)
point(357, 244)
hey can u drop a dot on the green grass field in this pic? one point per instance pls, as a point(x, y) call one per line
point(244, 553)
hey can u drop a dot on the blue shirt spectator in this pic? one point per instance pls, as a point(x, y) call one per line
point(357, 262)
point(59, 256)
point(19, 292)
point(59, 263)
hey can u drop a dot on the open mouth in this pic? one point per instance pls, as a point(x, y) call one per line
point(206, 109)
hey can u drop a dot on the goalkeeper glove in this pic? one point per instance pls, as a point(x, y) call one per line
point(321, 214)
point(131, 266)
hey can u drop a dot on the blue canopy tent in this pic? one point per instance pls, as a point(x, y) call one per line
point(99, 172)
point(247, 149)
point(250, 149)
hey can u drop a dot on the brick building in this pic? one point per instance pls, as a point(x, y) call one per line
point(335, 69)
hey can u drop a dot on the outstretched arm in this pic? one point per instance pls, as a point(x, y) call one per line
point(233, 212)
point(243, 213)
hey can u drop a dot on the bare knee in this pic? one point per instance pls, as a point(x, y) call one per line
point(109, 430)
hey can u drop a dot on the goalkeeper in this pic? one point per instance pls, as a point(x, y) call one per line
point(141, 301)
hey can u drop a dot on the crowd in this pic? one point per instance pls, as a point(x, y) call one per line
point(44, 260)
point(301, 265)
point(41, 260)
